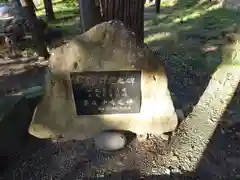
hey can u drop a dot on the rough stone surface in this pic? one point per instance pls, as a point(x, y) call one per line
point(108, 46)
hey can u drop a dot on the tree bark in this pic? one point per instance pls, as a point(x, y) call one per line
point(89, 14)
point(49, 10)
point(130, 12)
point(16, 8)
point(29, 5)
point(37, 32)
point(158, 5)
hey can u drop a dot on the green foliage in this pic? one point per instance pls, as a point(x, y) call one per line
point(65, 12)
point(194, 33)
point(59, 6)
point(71, 3)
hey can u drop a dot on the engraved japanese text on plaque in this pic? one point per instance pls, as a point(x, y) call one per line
point(107, 92)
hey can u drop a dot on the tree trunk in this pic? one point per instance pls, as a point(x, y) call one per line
point(29, 5)
point(37, 32)
point(16, 8)
point(130, 12)
point(49, 10)
point(158, 5)
point(90, 14)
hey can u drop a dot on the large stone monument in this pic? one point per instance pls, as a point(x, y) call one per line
point(104, 80)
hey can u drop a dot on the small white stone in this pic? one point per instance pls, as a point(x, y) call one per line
point(41, 58)
point(110, 141)
point(142, 137)
point(118, 163)
point(174, 158)
point(156, 171)
point(168, 171)
point(165, 137)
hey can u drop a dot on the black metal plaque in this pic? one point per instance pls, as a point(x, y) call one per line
point(107, 92)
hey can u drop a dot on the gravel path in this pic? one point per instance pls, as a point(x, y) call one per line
point(204, 146)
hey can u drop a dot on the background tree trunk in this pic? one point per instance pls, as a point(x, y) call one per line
point(49, 10)
point(16, 8)
point(130, 12)
point(37, 32)
point(28, 7)
point(158, 5)
point(89, 14)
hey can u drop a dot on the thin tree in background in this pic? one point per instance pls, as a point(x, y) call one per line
point(36, 30)
point(49, 10)
point(158, 5)
point(89, 14)
point(130, 12)
point(28, 7)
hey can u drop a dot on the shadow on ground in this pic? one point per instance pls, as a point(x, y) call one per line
point(46, 159)
point(222, 154)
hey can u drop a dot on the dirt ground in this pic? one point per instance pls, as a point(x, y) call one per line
point(204, 93)
point(43, 159)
